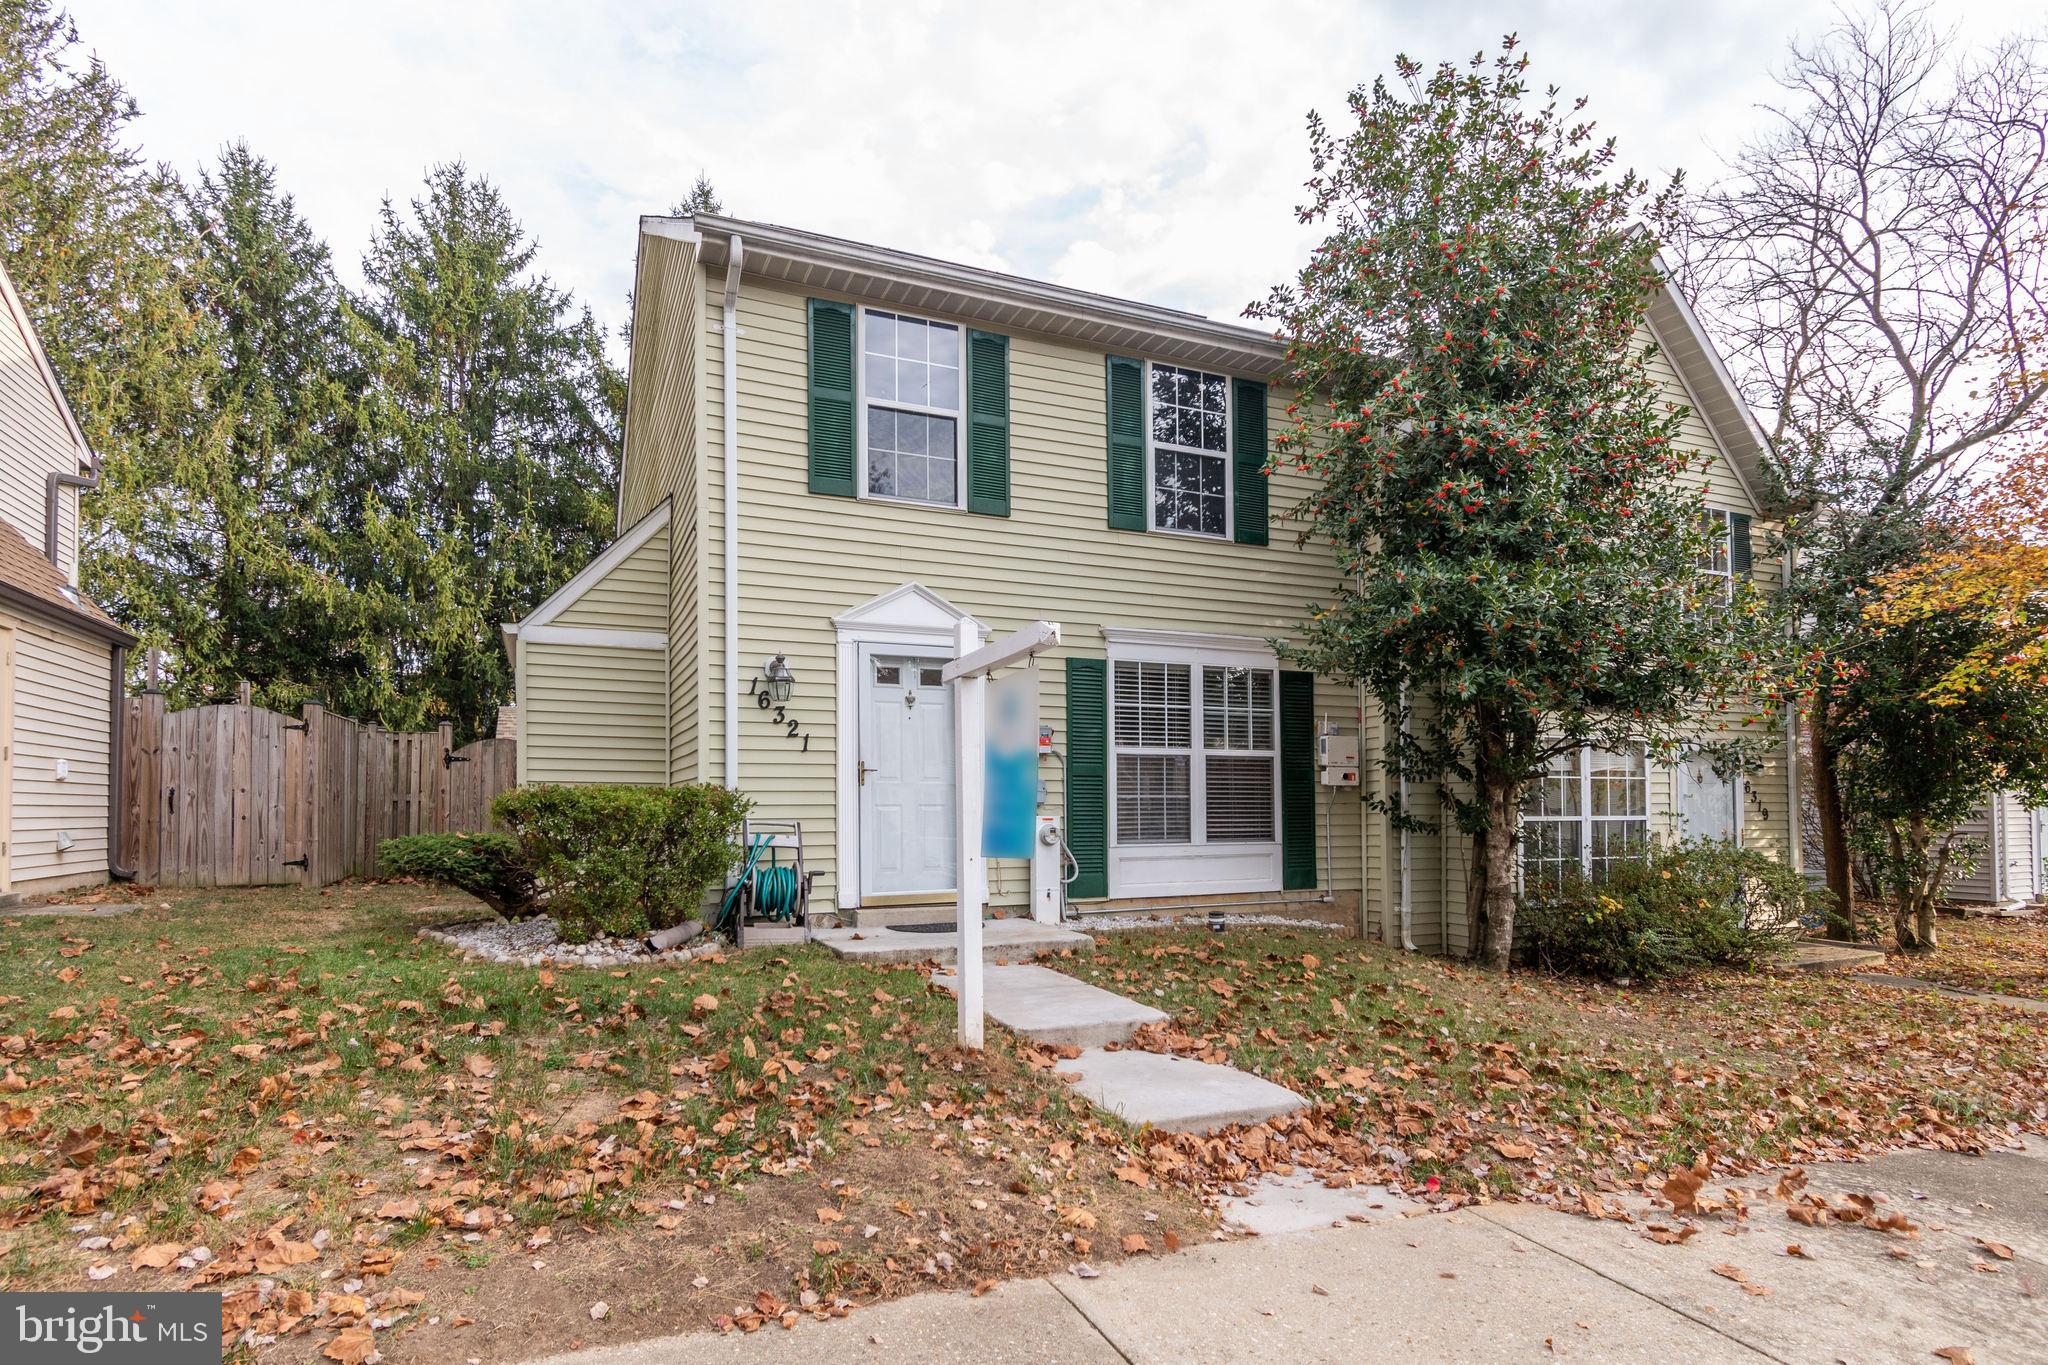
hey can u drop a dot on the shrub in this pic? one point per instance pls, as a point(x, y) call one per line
point(490, 867)
point(1681, 909)
point(623, 860)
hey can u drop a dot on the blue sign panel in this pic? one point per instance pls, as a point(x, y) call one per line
point(1010, 796)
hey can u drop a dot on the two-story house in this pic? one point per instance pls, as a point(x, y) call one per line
point(61, 657)
point(836, 453)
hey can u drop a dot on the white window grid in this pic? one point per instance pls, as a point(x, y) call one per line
point(1161, 456)
point(1587, 813)
point(1718, 562)
point(1164, 778)
point(864, 364)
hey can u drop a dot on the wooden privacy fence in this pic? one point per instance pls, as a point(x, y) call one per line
point(235, 795)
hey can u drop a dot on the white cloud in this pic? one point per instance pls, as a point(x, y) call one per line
point(1153, 151)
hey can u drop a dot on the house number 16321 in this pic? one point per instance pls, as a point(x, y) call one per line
point(763, 702)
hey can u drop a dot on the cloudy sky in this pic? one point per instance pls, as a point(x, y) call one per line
point(1148, 150)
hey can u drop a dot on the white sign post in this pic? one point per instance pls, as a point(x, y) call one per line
point(969, 675)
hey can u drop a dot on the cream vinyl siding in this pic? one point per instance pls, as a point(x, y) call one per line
point(34, 443)
point(633, 596)
point(1440, 863)
point(661, 460)
point(592, 713)
point(806, 558)
point(60, 712)
point(2010, 844)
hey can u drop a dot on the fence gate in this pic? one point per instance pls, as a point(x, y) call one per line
point(236, 795)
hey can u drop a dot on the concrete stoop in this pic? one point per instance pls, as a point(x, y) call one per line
point(1053, 1008)
point(1002, 940)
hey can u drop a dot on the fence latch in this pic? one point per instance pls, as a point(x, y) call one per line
point(449, 758)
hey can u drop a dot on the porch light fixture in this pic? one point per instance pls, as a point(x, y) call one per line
point(776, 672)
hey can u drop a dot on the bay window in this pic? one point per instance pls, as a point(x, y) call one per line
point(1587, 812)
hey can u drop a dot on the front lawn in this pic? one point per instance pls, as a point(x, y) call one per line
point(1422, 1070)
point(441, 1159)
point(1984, 953)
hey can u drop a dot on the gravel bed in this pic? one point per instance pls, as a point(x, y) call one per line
point(537, 942)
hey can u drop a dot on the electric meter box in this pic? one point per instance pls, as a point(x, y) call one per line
point(1337, 759)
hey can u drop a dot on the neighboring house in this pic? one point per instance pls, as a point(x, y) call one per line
point(60, 656)
point(917, 443)
point(2010, 846)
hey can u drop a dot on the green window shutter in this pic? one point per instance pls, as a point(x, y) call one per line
point(1126, 444)
point(988, 424)
point(1738, 546)
point(1088, 776)
point(1248, 461)
point(832, 453)
point(1297, 781)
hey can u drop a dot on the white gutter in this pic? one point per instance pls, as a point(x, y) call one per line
point(735, 254)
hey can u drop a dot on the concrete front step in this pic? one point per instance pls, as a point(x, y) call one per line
point(1002, 940)
point(1175, 1094)
point(1054, 1008)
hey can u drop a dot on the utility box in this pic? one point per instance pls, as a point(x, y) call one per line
point(1337, 759)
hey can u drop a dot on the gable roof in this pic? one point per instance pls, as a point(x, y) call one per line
point(31, 583)
point(588, 577)
point(17, 314)
point(1682, 338)
point(812, 260)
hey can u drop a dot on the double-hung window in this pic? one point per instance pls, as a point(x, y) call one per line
point(1196, 753)
point(1716, 564)
point(1190, 451)
point(910, 408)
point(1587, 812)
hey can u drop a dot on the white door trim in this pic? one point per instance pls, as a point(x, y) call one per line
point(911, 618)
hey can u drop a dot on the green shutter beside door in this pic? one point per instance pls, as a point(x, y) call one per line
point(1738, 546)
point(1297, 781)
point(1088, 776)
point(1126, 420)
point(831, 385)
point(1248, 461)
point(988, 424)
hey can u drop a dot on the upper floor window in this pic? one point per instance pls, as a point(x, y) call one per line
point(1717, 564)
point(1190, 451)
point(910, 410)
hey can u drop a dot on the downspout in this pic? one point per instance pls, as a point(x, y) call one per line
point(735, 253)
point(117, 731)
point(53, 489)
point(1407, 849)
point(1795, 798)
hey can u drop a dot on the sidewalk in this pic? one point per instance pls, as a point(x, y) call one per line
point(1510, 1282)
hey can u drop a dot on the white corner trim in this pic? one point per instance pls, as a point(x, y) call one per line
point(591, 635)
point(572, 592)
point(729, 504)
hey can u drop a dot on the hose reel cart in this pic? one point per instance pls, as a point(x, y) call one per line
point(769, 897)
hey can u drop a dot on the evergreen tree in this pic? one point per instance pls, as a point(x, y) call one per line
point(1518, 528)
point(491, 422)
point(702, 198)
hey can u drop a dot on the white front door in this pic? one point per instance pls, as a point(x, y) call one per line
point(908, 844)
point(1708, 804)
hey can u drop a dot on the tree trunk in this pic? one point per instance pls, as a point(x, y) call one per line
point(1834, 834)
point(1920, 876)
point(1493, 848)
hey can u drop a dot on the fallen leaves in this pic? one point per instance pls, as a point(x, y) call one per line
point(351, 1347)
point(1735, 1273)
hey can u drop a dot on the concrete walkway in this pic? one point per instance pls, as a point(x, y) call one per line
point(1914, 983)
point(1173, 1094)
point(1508, 1282)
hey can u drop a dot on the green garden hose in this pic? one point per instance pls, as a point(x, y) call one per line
point(777, 890)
